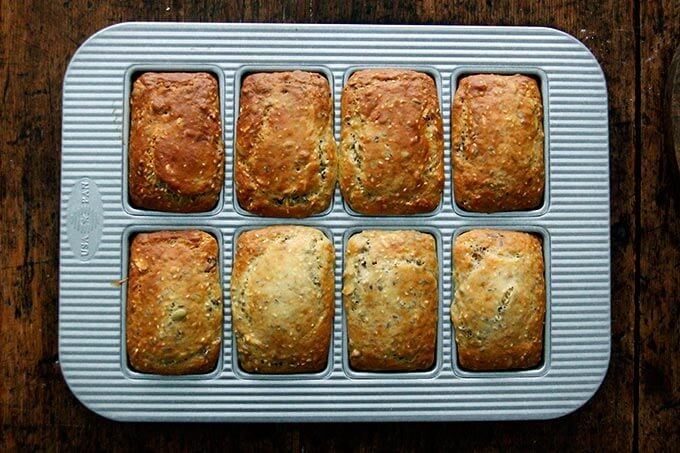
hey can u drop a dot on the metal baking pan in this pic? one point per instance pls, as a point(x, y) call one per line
point(96, 222)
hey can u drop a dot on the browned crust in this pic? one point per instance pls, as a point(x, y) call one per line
point(392, 148)
point(497, 143)
point(286, 163)
point(390, 291)
point(498, 310)
point(282, 290)
point(176, 153)
point(174, 303)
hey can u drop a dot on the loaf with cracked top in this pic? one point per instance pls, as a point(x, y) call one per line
point(498, 311)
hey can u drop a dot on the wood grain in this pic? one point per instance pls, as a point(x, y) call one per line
point(633, 42)
point(659, 256)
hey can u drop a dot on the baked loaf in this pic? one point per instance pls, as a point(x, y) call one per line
point(391, 297)
point(392, 148)
point(498, 309)
point(282, 289)
point(174, 303)
point(176, 153)
point(497, 143)
point(286, 163)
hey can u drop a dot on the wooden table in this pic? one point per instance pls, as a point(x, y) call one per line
point(638, 405)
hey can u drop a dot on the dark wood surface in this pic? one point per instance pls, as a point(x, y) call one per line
point(638, 405)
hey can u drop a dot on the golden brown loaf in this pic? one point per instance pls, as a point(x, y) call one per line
point(282, 289)
point(176, 153)
point(286, 162)
point(174, 303)
point(497, 143)
point(498, 310)
point(391, 296)
point(392, 147)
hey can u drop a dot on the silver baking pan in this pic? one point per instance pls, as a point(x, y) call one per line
point(97, 221)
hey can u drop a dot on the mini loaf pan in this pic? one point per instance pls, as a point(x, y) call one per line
point(97, 224)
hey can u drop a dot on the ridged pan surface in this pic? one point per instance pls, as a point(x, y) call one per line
point(96, 223)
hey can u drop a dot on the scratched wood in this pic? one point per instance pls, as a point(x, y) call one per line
point(37, 411)
point(659, 234)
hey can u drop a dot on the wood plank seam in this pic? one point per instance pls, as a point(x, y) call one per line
point(637, 241)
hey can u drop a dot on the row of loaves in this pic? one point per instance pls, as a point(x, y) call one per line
point(391, 155)
point(282, 289)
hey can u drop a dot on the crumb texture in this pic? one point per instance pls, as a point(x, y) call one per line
point(498, 311)
point(390, 291)
point(174, 303)
point(392, 145)
point(282, 291)
point(497, 143)
point(286, 163)
point(176, 152)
